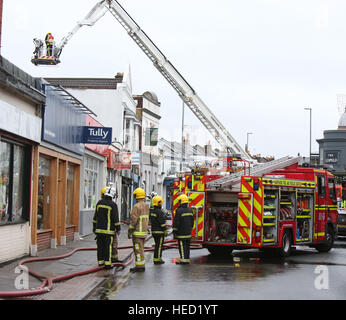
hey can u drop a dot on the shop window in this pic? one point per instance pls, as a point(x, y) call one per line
point(70, 194)
point(14, 181)
point(43, 211)
point(90, 182)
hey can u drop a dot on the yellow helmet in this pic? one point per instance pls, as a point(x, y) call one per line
point(103, 190)
point(183, 199)
point(157, 201)
point(139, 193)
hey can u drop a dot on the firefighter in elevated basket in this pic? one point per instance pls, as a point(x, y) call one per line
point(49, 39)
point(138, 228)
point(182, 226)
point(158, 228)
point(105, 224)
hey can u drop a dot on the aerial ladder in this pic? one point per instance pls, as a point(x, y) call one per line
point(233, 181)
point(161, 63)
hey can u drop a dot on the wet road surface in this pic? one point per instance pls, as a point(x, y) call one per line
point(247, 274)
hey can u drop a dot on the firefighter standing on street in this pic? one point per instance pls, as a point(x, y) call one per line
point(138, 228)
point(49, 39)
point(105, 225)
point(114, 257)
point(182, 226)
point(158, 228)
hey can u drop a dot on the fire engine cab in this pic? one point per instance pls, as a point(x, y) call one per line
point(292, 206)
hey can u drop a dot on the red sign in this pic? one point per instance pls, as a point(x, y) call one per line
point(98, 148)
point(119, 160)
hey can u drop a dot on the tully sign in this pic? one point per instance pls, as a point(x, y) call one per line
point(97, 135)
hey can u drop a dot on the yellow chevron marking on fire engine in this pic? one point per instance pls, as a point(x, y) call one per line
point(199, 197)
point(200, 230)
point(246, 212)
point(256, 204)
point(193, 197)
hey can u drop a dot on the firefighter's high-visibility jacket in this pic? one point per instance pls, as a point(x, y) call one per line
point(106, 217)
point(139, 220)
point(49, 39)
point(183, 222)
point(158, 221)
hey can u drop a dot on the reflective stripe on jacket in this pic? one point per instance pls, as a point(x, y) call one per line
point(183, 222)
point(106, 217)
point(158, 221)
point(49, 39)
point(139, 219)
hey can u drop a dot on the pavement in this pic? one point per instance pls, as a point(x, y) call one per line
point(76, 288)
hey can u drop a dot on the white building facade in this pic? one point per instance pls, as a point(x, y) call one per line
point(111, 100)
point(148, 111)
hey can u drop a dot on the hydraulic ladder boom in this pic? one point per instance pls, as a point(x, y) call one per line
point(176, 80)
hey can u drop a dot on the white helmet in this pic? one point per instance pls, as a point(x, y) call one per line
point(110, 192)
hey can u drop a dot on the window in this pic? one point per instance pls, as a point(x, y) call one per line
point(321, 186)
point(90, 182)
point(70, 194)
point(331, 187)
point(14, 181)
point(43, 211)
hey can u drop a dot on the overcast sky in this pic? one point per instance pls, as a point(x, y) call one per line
point(255, 63)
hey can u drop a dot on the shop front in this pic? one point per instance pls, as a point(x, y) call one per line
point(57, 172)
point(20, 134)
point(15, 196)
point(56, 207)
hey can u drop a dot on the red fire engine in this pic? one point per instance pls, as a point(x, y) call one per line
point(277, 210)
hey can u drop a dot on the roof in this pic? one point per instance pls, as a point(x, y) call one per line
point(129, 113)
point(21, 82)
point(151, 96)
point(87, 83)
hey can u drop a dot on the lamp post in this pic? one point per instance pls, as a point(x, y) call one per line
point(310, 111)
point(182, 138)
point(247, 142)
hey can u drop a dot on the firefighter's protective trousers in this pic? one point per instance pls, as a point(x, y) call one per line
point(138, 249)
point(184, 249)
point(159, 239)
point(104, 249)
point(115, 248)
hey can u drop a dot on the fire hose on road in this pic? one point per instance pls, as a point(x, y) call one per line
point(47, 282)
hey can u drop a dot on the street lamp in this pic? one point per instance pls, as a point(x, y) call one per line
point(182, 138)
point(310, 110)
point(247, 142)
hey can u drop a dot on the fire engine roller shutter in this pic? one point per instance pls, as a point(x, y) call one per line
point(196, 199)
point(250, 210)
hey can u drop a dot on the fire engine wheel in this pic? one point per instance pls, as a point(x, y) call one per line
point(286, 247)
point(220, 250)
point(325, 247)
